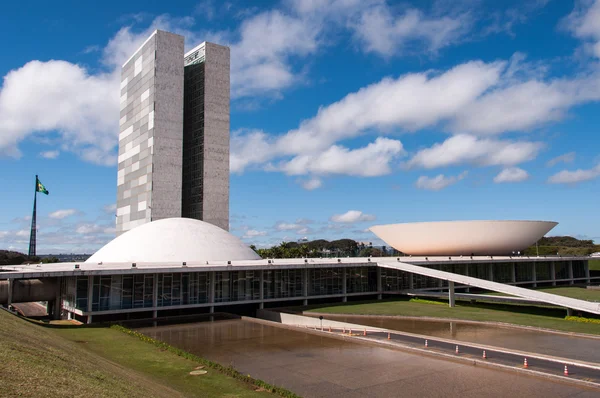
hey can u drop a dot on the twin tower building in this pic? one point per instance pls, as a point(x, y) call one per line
point(174, 133)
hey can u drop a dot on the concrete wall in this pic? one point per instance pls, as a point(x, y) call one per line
point(216, 136)
point(168, 127)
point(300, 320)
point(29, 290)
point(150, 139)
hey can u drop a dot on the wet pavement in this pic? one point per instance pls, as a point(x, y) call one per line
point(319, 366)
point(572, 347)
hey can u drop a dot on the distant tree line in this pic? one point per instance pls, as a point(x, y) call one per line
point(562, 245)
point(324, 248)
point(8, 257)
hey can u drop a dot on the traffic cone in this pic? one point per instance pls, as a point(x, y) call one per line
point(389, 337)
point(525, 363)
point(484, 356)
point(457, 349)
point(566, 371)
point(426, 345)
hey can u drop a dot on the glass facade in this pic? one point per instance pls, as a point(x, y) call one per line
point(524, 272)
point(183, 288)
point(393, 280)
point(561, 270)
point(120, 292)
point(324, 281)
point(503, 272)
point(237, 286)
point(361, 279)
point(542, 271)
point(578, 269)
point(193, 141)
point(282, 283)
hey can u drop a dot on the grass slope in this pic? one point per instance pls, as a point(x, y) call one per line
point(79, 361)
point(516, 314)
point(36, 363)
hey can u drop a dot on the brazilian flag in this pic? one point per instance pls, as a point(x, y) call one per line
point(39, 187)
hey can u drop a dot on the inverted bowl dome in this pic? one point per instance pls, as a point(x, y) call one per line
point(451, 238)
point(174, 240)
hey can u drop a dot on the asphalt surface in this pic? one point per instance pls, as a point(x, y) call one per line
point(564, 345)
point(493, 356)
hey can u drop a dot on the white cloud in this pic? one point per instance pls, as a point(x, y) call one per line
point(438, 182)
point(60, 214)
point(260, 60)
point(312, 184)
point(467, 149)
point(372, 160)
point(288, 226)
point(110, 209)
point(410, 102)
point(575, 176)
point(23, 233)
point(253, 233)
point(352, 216)
point(566, 158)
point(584, 23)
point(50, 154)
point(43, 97)
point(383, 33)
point(511, 174)
point(524, 105)
point(85, 229)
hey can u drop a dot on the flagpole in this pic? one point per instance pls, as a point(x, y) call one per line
point(32, 236)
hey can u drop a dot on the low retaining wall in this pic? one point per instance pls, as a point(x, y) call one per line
point(301, 320)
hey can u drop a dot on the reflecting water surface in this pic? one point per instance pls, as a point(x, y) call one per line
point(580, 348)
point(319, 366)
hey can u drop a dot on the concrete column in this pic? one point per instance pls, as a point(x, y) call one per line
point(569, 311)
point(262, 289)
point(90, 298)
point(411, 281)
point(155, 296)
point(211, 287)
point(57, 303)
point(513, 276)
point(553, 273)
point(491, 272)
point(10, 292)
point(534, 279)
point(451, 294)
point(379, 285)
point(305, 283)
point(571, 282)
point(344, 285)
point(468, 289)
point(586, 267)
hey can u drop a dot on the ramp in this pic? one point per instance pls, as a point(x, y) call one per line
point(567, 302)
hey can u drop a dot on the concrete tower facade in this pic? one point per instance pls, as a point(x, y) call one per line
point(173, 163)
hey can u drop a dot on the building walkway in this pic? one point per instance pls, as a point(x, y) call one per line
point(567, 302)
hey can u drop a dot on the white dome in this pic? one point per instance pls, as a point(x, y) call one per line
point(174, 240)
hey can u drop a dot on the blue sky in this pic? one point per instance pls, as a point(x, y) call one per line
point(344, 114)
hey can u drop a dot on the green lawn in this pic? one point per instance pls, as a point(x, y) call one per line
point(79, 361)
point(573, 292)
point(517, 314)
point(594, 265)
